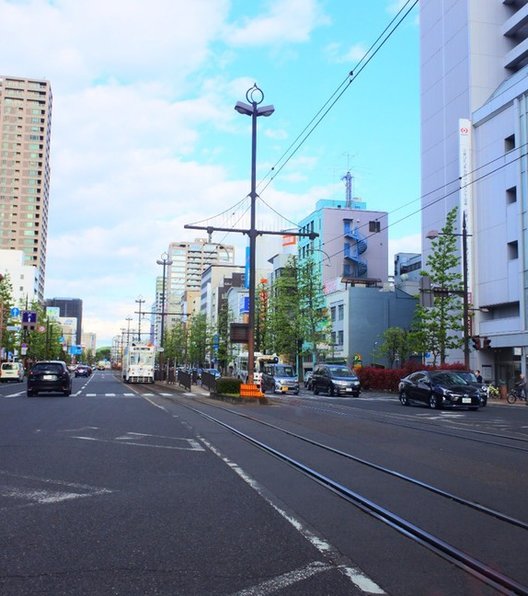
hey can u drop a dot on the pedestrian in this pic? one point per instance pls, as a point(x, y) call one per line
point(479, 376)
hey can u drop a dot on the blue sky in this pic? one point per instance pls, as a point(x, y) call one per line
point(145, 138)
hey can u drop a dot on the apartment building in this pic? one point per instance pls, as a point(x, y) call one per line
point(25, 132)
point(70, 308)
point(474, 109)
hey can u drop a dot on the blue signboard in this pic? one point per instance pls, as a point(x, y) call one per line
point(15, 312)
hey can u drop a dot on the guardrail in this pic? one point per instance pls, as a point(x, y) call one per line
point(209, 381)
point(185, 379)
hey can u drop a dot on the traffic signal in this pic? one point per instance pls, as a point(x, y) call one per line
point(476, 342)
point(487, 343)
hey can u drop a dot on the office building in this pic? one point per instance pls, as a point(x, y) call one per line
point(474, 109)
point(25, 131)
point(69, 308)
point(189, 261)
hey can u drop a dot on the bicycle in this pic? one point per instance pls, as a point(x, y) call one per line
point(514, 395)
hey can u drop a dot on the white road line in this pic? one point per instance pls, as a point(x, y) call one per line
point(192, 445)
point(286, 579)
point(354, 574)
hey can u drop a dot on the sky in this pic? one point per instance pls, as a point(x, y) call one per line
point(145, 138)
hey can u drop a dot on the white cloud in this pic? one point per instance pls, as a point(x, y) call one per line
point(287, 21)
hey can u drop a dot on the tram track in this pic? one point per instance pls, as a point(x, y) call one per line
point(476, 567)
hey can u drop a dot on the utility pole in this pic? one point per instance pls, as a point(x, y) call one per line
point(254, 97)
point(140, 301)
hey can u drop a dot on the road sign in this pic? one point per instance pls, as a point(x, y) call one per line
point(29, 318)
point(14, 312)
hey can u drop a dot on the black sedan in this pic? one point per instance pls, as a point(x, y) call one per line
point(49, 376)
point(439, 389)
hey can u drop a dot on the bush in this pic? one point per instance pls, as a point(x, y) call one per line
point(387, 379)
point(228, 385)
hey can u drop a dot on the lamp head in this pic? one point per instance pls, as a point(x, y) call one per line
point(432, 234)
point(244, 108)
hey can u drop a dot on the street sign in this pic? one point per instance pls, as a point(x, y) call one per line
point(14, 312)
point(29, 318)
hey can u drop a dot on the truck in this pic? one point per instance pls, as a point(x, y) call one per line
point(138, 363)
point(240, 366)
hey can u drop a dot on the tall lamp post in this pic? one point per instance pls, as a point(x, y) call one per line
point(165, 261)
point(140, 301)
point(254, 97)
point(465, 291)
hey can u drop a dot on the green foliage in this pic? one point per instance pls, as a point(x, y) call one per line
point(314, 321)
point(284, 312)
point(8, 339)
point(103, 354)
point(199, 340)
point(175, 343)
point(395, 345)
point(228, 385)
point(437, 329)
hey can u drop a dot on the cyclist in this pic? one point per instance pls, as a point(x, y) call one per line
point(520, 386)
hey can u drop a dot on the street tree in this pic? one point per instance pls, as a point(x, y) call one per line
point(395, 345)
point(315, 324)
point(438, 328)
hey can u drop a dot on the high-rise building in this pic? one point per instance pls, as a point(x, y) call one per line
point(70, 308)
point(25, 131)
point(474, 109)
point(189, 261)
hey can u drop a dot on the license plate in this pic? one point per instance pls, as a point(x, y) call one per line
point(348, 389)
point(466, 400)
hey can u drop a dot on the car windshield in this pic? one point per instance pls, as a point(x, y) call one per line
point(342, 371)
point(9, 366)
point(47, 367)
point(467, 376)
point(285, 371)
point(448, 379)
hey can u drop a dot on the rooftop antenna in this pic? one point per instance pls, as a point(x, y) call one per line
point(348, 185)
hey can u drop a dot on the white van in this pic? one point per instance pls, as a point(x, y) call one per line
point(11, 371)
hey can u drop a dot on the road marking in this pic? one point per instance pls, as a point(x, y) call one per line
point(43, 496)
point(187, 444)
point(286, 579)
point(354, 574)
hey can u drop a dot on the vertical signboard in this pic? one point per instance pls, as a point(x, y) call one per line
point(466, 186)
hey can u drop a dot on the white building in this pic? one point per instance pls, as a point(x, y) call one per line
point(24, 278)
point(474, 92)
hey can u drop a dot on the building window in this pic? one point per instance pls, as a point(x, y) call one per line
point(333, 313)
point(509, 143)
point(340, 312)
point(511, 195)
point(374, 226)
point(513, 250)
point(340, 338)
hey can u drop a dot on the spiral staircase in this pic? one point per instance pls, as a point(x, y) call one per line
point(355, 246)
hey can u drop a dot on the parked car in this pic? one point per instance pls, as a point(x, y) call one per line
point(49, 376)
point(83, 370)
point(439, 389)
point(471, 378)
point(279, 377)
point(212, 371)
point(335, 379)
point(11, 371)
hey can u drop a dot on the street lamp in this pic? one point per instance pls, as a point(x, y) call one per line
point(254, 96)
point(140, 301)
point(165, 261)
point(465, 293)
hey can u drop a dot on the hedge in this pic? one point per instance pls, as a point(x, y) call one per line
point(387, 379)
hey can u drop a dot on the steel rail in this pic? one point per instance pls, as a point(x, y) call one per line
point(464, 561)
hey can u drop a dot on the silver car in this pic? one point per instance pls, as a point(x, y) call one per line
point(279, 378)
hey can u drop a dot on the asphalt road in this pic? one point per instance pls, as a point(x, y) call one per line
point(146, 490)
